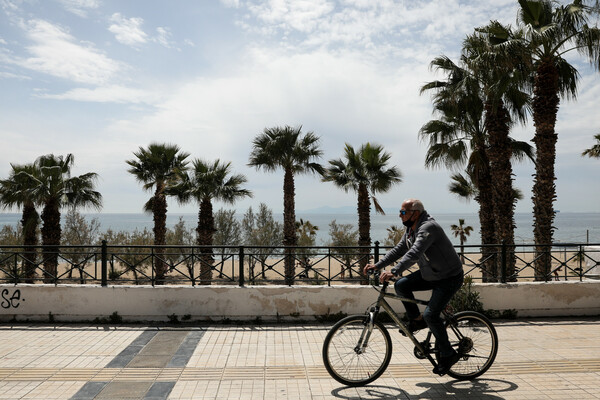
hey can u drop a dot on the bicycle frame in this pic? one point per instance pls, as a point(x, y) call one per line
point(382, 303)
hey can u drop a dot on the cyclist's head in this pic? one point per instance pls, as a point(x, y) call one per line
point(411, 211)
point(414, 204)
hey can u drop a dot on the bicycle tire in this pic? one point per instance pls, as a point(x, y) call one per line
point(478, 346)
point(351, 367)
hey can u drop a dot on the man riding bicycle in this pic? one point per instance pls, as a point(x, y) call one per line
point(440, 270)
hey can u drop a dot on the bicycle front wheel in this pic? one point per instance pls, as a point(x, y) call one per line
point(352, 355)
point(474, 337)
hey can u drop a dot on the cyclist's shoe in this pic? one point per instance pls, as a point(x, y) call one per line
point(445, 363)
point(415, 325)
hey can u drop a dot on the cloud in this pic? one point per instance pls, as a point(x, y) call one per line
point(10, 75)
point(162, 37)
point(374, 24)
point(231, 3)
point(80, 7)
point(128, 30)
point(340, 97)
point(108, 94)
point(55, 52)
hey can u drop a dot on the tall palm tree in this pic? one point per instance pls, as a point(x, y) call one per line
point(458, 139)
point(547, 32)
point(365, 172)
point(204, 183)
point(461, 232)
point(53, 186)
point(286, 148)
point(15, 191)
point(593, 151)
point(472, 132)
point(502, 76)
point(158, 167)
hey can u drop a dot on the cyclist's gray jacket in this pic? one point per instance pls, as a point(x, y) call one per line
point(429, 247)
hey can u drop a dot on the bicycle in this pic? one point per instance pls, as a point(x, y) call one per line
point(358, 349)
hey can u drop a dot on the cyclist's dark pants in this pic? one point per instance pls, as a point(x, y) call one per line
point(442, 292)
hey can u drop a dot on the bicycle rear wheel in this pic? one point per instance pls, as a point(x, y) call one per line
point(348, 360)
point(474, 337)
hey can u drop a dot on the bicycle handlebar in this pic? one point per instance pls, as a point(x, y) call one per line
point(376, 274)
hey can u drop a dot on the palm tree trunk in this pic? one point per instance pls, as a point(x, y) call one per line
point(289, 225)
point(205, 231)
point(545, 108)
point(159, 209)
point(51, 232)
point(30, 240)
point(497, 124)
point(364, 228)
point(486, 218)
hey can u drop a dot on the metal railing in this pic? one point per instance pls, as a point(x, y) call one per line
point(247, 265)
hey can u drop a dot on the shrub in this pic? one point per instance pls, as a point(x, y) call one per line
point(466, 298)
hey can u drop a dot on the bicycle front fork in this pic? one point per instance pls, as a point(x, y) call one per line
point(363, 341)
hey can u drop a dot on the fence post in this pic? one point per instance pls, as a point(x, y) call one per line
point(375, 260)
point(581, 255)
point(241, 265)
point(503, 262)
point(103, 264)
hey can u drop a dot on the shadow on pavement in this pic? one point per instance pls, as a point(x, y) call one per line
point(481, 389)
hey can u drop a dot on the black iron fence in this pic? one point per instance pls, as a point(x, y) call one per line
point(108, 264)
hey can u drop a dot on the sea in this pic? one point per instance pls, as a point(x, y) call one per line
point(571, 227)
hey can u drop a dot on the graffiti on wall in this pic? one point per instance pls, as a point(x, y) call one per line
point(11, 299)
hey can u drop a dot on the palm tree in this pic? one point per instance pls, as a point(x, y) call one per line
point(395, 233)
point(158, 167)
point(204, 183)
point(593, 151)
point(15, 191)
point(472, 132)
point(458, 139)
point(461, 231)
point(364, 172)
point(502, 77)
point(53, 186)
point(286, 148)
point(547, 32)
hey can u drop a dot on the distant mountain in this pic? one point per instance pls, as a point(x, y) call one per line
point(329, 210)
point(337, 210)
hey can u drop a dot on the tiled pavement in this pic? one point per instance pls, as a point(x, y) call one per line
point(537, 359)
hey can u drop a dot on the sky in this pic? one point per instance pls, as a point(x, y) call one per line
point(101, 78)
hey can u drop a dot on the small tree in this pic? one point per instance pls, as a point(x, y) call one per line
point(11, 236)
point(228, 233)
point(180, 237)
point(132, 259)
point(78, 231)
point(344, 238)
point(261, 230)
point(307, 236)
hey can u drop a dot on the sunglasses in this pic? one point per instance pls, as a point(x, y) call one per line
point(403, 212)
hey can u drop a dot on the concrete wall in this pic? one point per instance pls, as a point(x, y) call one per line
point(145, 303)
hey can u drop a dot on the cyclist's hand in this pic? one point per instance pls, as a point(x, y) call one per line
point(386, 276)
point(369, 267)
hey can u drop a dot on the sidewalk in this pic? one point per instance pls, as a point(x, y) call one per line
point(537, 359)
